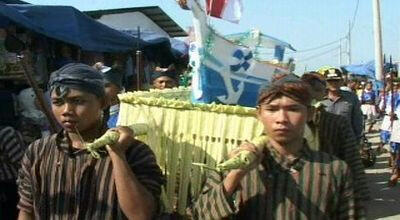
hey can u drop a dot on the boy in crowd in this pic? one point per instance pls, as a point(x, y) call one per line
point(60, 179)
point(368, 105)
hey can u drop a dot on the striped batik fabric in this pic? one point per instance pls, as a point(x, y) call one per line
point(12, 149)
point(58, 182)
point(337, 138)
point(313, 185)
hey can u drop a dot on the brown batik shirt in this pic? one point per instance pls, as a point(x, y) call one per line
point(336, 137)
point(313, 185)
point(59, 182)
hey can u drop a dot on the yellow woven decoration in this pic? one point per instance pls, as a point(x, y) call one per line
point(181, 133)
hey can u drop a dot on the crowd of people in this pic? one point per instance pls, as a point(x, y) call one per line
point(381, 105)
point(310, 168)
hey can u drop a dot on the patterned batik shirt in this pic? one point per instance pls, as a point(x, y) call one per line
point(336, 138)
point(59, 182)
point(313, 185)
point(12, 149)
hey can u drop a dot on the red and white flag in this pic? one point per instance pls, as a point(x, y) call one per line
point(230, 10)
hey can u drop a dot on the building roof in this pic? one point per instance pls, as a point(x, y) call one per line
point(13, 2)
point(155, 13)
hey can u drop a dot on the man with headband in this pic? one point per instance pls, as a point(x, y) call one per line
point(288, 181)
point(60, 179)
point(163, 80)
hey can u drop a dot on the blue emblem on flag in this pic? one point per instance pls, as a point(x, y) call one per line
point(243, 60)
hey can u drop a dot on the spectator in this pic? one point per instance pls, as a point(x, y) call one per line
point(12, 149)
point(113, 86)
point(65, 56)
point(164, 80)
point(342, 102)
point(368, 105)
point(385, 106)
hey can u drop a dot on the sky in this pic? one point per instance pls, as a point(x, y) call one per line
point(305, 24)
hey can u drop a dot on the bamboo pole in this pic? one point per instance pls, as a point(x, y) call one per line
point(138, 61)
point(38, 92)
point(138, 69)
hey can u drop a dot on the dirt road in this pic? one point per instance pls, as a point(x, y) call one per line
point(385, 201)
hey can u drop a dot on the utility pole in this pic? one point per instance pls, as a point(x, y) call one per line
point(349, 46)
point(378, 40)
point(340, 52)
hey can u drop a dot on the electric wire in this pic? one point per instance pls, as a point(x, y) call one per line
point(317, 55)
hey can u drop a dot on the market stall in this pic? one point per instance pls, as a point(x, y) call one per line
point(35, 40)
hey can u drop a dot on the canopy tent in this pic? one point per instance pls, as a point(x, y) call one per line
point(366, 70)
point(256, 40)
point(163, 49)
point(69, 25)
point(177, 46)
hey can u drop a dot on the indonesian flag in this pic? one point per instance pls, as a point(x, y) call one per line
point(230, 10)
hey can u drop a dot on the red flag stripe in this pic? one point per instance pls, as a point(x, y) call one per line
point(215, 7)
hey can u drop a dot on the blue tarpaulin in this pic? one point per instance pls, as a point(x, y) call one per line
point(367, 70)
point(69, 25)
point(160, 48)
point(178, 47)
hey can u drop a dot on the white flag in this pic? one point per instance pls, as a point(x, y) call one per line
point(230, 10)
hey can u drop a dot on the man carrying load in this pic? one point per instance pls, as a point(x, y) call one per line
point(60, 179)
point(286, 180)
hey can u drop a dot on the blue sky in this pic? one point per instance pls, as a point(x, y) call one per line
point(303, 23)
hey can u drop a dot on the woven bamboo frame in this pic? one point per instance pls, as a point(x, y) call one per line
point(182, 133)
